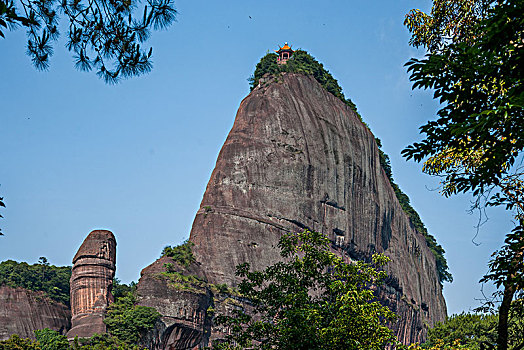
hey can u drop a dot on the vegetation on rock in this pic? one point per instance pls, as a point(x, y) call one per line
point(51, 340)
point(53, 280)
point(182, 253)
point(442, 265)
point(300, 62)
point(129, 322)
point(183, 281)
point(121, 289)
point(311, 300)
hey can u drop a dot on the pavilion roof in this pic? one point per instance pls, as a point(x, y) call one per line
point(286, 47)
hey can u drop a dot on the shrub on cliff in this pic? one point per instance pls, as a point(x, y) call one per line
point(129, 322)
point(53, 280)
point(49, 339)
point(182, 253)
point(311, 300)
point(121, 289)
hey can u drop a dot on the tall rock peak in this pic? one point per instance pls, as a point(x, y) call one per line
point(298, 157)
point(91, 282)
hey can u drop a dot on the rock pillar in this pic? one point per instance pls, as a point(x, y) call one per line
point(91, 282)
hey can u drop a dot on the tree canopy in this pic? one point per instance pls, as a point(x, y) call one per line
point(103, 35)
point(129, 322)
point(478, 134)
point(476, 142)
point(53, 280)
point(311, 300)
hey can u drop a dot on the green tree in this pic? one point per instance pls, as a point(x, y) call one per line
point(129, 322)
point(121, 289)
point(49, 339)
point(311, 300)
point(182, 254)
point(103, 35)
point(53, 280)
point(102, 342)
point(477, 140)
point(475, 331)
point(16, 343)
point(449, 20)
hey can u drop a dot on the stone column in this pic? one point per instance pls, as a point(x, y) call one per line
point(94, 267)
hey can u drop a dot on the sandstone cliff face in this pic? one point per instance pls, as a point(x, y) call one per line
point(187, 306)
point(296, 158)
point(184, 323)
point(22, 311)
point(91, 283)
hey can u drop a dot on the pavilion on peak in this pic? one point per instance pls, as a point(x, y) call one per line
point(284, 53)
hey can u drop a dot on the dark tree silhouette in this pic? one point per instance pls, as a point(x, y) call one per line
point(103, 35)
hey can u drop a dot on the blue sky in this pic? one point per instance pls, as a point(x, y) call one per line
point(135, 158)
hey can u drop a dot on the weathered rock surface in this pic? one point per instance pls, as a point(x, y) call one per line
point(296, 158)
point(22, 311)
point(91, 283)
point(187, 304)
point(183, 306)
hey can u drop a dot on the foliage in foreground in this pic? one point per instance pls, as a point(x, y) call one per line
point(51, 340)
point(312, 300)
point(129, 322)
point(53, 280)
point(476, 143)
point(479, 129)
point(104, 35)
point(16, 343)
point(126, 323)
point(475, 331)
point(102, 342)
point(47, 339)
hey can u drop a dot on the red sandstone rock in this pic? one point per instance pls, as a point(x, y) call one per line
point(22, 311)
point(91, 283)
point(297, 157)
point(185, 323)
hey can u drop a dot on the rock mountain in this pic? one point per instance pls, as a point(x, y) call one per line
point(297, 157)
